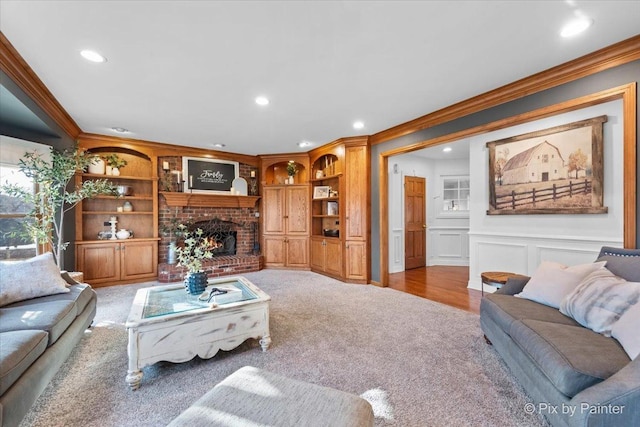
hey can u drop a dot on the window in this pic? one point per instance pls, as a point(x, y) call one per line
point(12, 215)
point(545, 158)
point(455, 193)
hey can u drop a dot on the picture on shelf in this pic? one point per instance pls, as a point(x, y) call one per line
point(332, 208)
point(321, 192)
point(209, 176)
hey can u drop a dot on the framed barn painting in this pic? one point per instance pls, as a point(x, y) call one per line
point(552, 171)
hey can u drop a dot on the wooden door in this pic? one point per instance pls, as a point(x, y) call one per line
point(99, 262)
point(333, 257)
point(356, 260)
point(415, 223)
point(137, 260)
point(297, 210)
point(274, 210)
point(297, 252)
point(356, 187)
point(317, 253)
point(274, 251)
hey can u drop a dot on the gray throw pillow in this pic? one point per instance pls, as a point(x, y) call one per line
point(35, 277)
point(624, 263)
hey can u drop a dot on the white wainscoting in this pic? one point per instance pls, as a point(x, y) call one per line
point(448, 245)
point(396, 251)
point(521, 253)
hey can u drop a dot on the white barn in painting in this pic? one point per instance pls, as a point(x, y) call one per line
point(540, 163)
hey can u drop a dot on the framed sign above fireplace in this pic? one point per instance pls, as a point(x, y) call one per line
point(209, 176)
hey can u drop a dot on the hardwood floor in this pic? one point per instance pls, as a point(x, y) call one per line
point(444, 284)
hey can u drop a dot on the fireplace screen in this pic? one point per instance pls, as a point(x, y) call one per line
point(220, 235)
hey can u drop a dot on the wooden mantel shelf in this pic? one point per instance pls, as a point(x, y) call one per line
point(209, 200)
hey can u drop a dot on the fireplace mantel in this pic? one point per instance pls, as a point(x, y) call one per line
point(175, 199)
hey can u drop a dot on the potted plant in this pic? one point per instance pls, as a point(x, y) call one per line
point(54, 197)
point(195, 250)
point(292, 169)
point(115, 163)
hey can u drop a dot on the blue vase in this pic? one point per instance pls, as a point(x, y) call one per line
point(195, 283)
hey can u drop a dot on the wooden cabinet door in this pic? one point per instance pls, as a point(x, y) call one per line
point(356, 187)
point(297, 210)
point(274, 251)
point(297, 252)
point(274, 210)
point(99, 262)
point(317, 253)
point(356, 260)
point(333, 257)
point(138, 260)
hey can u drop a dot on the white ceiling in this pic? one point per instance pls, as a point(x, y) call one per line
point(187, 72)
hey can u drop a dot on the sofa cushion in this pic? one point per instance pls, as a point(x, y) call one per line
point(52, 317)
point(33, 278)
point(600, 299)
point(81, 294)
point(552, 281)
point(625, 331)
point(571, 357)
point(18, 351)
point(624, 263)
point(505, 309)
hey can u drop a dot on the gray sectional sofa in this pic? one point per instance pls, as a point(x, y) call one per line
point(36, 338)
point(576, 377)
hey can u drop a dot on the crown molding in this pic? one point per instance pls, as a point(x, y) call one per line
point(14, 66)
point(595, 62)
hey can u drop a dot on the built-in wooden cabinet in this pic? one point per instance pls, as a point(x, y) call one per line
point(106, 261)
point(285, 213)
point(340, 210)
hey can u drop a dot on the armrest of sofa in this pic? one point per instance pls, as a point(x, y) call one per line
point(513, 286)
point(65, 275)
point(613, 402)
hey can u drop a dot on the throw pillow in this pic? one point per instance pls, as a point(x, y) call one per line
point(625, 331)
point(600, 300)
point(553, 281)
point(35, 277)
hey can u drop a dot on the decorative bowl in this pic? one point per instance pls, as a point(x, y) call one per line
point(330, 232)
point(124, 190)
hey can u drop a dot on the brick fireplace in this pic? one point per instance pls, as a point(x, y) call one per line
point(241, 222)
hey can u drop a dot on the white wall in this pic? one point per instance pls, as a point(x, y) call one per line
point(447, 235)
point(518, 243)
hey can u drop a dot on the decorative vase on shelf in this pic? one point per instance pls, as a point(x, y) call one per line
point(195, 283)
point(96, 166)
point(123, 234)
point(115, 171)
point(127, 207)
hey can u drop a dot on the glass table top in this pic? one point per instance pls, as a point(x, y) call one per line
point(163, 301)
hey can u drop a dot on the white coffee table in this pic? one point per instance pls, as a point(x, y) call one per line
point(166, 323)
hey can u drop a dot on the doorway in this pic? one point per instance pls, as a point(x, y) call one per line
point(415, 223)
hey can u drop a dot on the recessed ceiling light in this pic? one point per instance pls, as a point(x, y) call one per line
point(219, 145)
point(576, 26)
point(262, 100)
point(93, 56)
point(303, 144)
point(120, 130)
point(446, 149)
point(358, 125)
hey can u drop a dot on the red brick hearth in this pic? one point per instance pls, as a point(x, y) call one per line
point(218, 266)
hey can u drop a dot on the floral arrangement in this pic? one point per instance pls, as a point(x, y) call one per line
point(291, 168)
point(196, 249)
point(114, 161)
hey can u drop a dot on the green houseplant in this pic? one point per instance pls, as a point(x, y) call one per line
point(195, 250)
point(55, 195)
point(115, 163)
point(292, 169)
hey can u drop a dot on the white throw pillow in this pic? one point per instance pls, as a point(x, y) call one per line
point(625, 331)
point(600, 300)
point(553, 281)
point(35, 277)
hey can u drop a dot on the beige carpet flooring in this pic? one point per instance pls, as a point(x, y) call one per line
point(418, 362)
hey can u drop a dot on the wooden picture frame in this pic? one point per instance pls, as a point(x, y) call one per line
point(209, 176)
point(552, 171)
point(321, 192)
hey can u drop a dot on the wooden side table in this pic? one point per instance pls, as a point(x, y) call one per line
point(496, 278)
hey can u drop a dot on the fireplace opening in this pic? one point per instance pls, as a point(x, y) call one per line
point(220, 236)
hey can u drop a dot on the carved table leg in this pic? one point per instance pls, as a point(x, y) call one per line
point(133, 379)
point(265, 342)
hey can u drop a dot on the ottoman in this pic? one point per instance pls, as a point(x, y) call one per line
point(253, 397)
